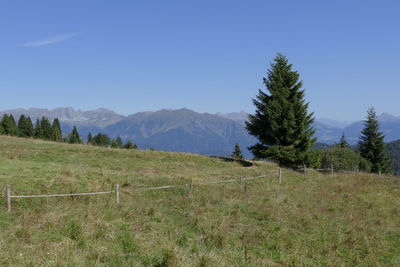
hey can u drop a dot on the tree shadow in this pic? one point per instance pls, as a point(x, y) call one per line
point(242, 162)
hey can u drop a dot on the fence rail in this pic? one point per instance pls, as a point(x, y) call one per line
point(117, 190)
point(332, 170)
point(64, 195)
point(9, 196)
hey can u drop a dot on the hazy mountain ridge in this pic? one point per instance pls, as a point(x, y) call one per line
point(183, 130)
point(188, 131)
point(235, 116)
point(100, 117)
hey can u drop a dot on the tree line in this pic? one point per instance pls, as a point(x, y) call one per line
point(45, 130)
point(25, 128)
point(283, 127)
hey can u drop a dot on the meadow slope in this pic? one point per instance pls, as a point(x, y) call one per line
point(329, 220)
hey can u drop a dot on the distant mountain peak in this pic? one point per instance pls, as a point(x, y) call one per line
point(103, 110)
point(235, 116)
point(387, 117)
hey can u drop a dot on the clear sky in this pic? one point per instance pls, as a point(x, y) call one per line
point(207, 55)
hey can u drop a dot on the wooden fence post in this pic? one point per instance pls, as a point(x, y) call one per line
point(305, 170)
point(280, 175)
point(332, 169)
point(357, 170)
point(241, 182)
point(8, 196)
point(380, 173)
point(190, 189)
point(117, 193)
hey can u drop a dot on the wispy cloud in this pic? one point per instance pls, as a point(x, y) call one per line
point(51, 39)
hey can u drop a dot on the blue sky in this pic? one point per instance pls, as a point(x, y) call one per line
point(208, 56)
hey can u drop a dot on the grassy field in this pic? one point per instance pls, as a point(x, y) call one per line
point(321, 220)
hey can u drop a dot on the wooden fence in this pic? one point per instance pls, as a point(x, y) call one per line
point(190, 186)
point(9, 196)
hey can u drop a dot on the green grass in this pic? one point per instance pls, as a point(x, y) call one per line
point(323, 220)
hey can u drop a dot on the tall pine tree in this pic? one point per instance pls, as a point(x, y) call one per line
point(89, 138)
point(372, 145)
point(281, 122)
point(4, 124)
point(38, 132)
point(14, 128)
point(119, 142)
point(343, 143)
point(47, 131)
point(8, 125)
point(74, 137)
point(25, 127)
point(56, 130)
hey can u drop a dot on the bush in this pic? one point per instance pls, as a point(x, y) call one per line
point(313, 159)
point(343, 158)
point(101, 140)
point(130, 145)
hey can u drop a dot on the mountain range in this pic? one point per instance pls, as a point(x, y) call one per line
point(180, 130)
point(187, 131)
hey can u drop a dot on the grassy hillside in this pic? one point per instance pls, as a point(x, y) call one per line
point(320, 220)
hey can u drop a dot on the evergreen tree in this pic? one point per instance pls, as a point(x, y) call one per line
point(237, 153)
point(2, 129)
point(29, 122)
point(47, 131)
point(371, 144)
point(281, 121)
point(114, 143)
point(101, 140)
point(56, 131)
point(89, 138)
point(130, 145)
point(38, 133)
point(343, 143)
point(8, 125)
point(14, 128)
point(74, 137)
point(119, 142)
point(25, 127)
point(4, 123)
